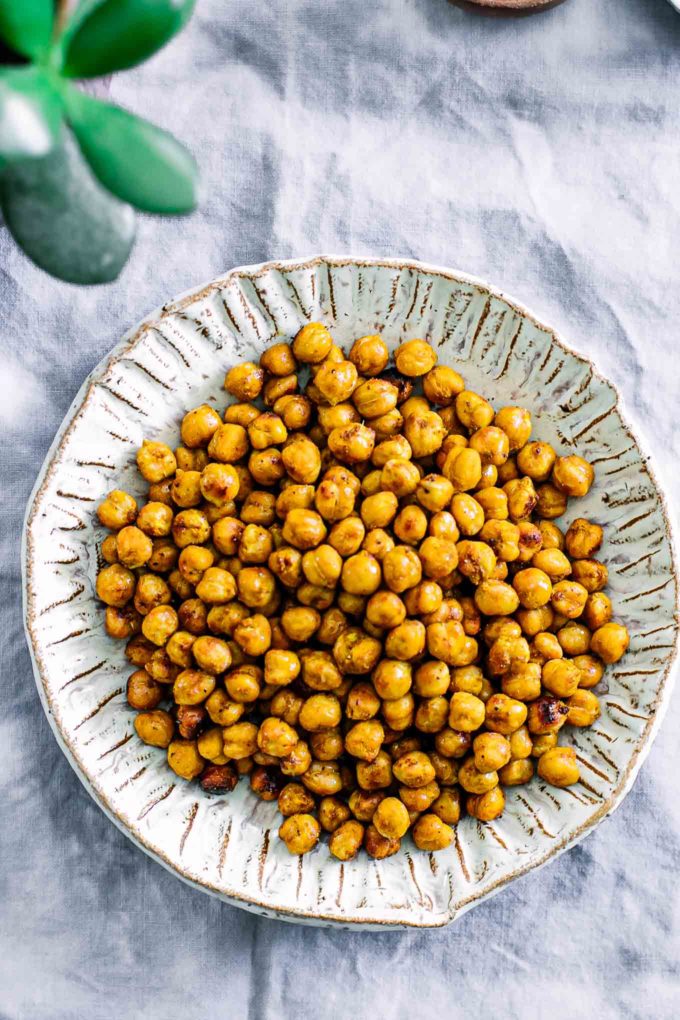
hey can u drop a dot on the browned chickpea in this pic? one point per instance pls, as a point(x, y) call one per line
point(346, 840)
point(546, 715)
point(186, 488)
point(552, 562)
point(295, 799)
point(193, 562)
point(414, 769)
point(199, 426)
point(432, 715)
point(503, 537)
point(568, 599)
point(385, 610)
point(155, 727)
point(559, 767)
point(392, 678)
point(217, 586)
point(522, 498)
point(415, 358)
point(504, 715)
point(226, 534)
point(116, 585)
point(597, 611)
point(552, 502)
point(159, 492)
point(427, 597)
point(323, 778)
point(142, 692)
point(376, 774)
point(361, 574)
point(362, 803)
point(300, 622)
point(476, 560)
point(530, 541)
point(266, 781)
point(610, 642)
point(574, 638)
point(468, 513)
point(473, 411)
point(220, 619)
point(572, 475)
point(192, 687)
point(369, 354)
point(560, 677)
point(352, 443)
point(419, 799)
point(431, 833)
point(375, 397)
point(533, 587)
point(327, 745)
point(452, 743)
point(118, 510)
point(584, 708)
point(377, 846)
point(253, 635)
point(191, 722)
point(300, 832)
point(355, 652)
point(160, 668)
point(222, 710)
point(241, 414)
point(276, 738)
point(583, 539)
point(122, 623)
point(378, 543)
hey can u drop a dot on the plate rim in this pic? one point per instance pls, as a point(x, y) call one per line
point(287, 913)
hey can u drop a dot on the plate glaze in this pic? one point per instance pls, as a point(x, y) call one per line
point(177, 359)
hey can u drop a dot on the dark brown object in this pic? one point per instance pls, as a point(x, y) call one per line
point(218, 779)
point(191, 720)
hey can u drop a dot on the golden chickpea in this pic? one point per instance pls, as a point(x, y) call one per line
point(184, 759)
point(533, 587)
point(278, 387)
point(474, 781)
point(193, 562)
point(156, 461)
point(216, 586)
point(401, 569)
point(452, 743)
point(391, 818)
point(520, 744)
point(486, 806)
point(385, 610)
point(530, 541)
point(473, 411)
point(220, 619)
point(276, 738)
point(332, 623)
point(334, 500)
point(375, 397)
point(476, 561)
point(240, 740)
point(560, 677)
point(591, 670)
point(466, 713)
point(406, 641)
point(346, 840)
point(229, 443)
point(155, 727)
point(300, 622)
point(431, 833)
point(568, 599)
point(427, 597)
point(159, 492)
point(302, 460)
point(322, 566)
point(240, 414)
point(244, 683)
point(323, 778)
point(468, 513)
point(546, 715)
point(320, 712)
point(574, 638)
point(392, 678)
point(447, 806)
point(496, 598)
point(610, 642)
point(226, 534)
point(336, 381)
point(442, 385)
point(244, 381)
point(504, 715)
point(278, 360)
point(438, 557)
point(294, 497)
point(503, 537)
point(522, 498)
point(362, 702)
point(379, 510)
point(592, 574)
point(419, 799)
point(210, 745)
point(552, 502)
point(266, 466)
point(192, 687)
point(362, 803)
point(253, 635)
point(536, 460)
point(583, 539)
point(304, 529)
point(361, 574)
point(463, 468)
point(118, 510)
point(395, 448)
point(155, 519)
point(414, 769)
point(584, 708)
point(116, 585)
point(222, 710)
point(300, 832)
point(415, 358)
point(535, 621)
point(159, 624)
point(399, 477)
point(523, 681)
point(467, 678)
point(559, 767)
point(597, 611)
point(573, 475)
point(356, 652)
point(425, 432)
point(211, 654)
point(160, 668)
point(552, 562)
point(186, 488)
point(312, 343)
point(364, 739)
point(492, 445)
point(516, 423)
point(190, 527)
point(298, 761)
point(378, 543)
point(491, 752)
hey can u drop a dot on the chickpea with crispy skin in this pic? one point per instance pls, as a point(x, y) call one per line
point(117, 510)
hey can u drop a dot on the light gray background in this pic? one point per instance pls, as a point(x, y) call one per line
point(542, 153)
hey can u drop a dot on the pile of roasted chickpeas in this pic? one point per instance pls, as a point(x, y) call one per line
point(353, 592)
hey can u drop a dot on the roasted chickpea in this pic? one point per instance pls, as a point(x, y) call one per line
point(610, 642)
point(346, 840)
point(356, 652)
point(304, 529)
point(118, 510)
point(533, 587)
point(143, 693)
point(295, 799)
point(116, 585)
point(217, 586)
point(569, 598)
point(597, 611)
point(504, 715)
point(546, 715)
point(415, 358)
point(552, 562)
point(516, 423)
point(414, 769)
point(559, 767)
point(476, 561)
point(406, 641)
point(211, 654)
point(155, 520)
point(552, 502)
point(302, 460)
point(583, 539)
point(244, 381)
point(473, 411)
point(496, 598)
point(323, 778)
point(486, 806)
point(536, 460)
point(369, 354)
point(364, 739)
point(156, 461)
point(278, 360)
point(560, 677)
point(313, 343)
point(592, 574)
point(190, 527)
point(300, 832)
point(442, 385)
point(378, 846)
point(503, 537)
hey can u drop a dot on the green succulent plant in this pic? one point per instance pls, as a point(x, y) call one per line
point(72, 167)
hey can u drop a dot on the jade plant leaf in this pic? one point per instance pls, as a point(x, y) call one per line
point(63, 219)
point(137, 161)
point(115, 34)
point(30, 113)
point(26, 25)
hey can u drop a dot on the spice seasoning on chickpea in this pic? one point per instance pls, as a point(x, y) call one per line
point(352, 591)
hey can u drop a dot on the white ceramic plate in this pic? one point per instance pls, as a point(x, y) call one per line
point(176, 359)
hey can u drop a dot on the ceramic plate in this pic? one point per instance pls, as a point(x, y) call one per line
point(177, 359)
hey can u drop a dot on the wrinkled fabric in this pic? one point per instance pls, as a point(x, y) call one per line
point(541, 153)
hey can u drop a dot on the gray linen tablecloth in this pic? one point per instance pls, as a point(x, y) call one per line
point(542, 153)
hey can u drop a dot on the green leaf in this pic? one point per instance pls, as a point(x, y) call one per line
point(63, 218)
point(115, 34)
point(135, 160)
point(30, 113)
point(26, 25)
